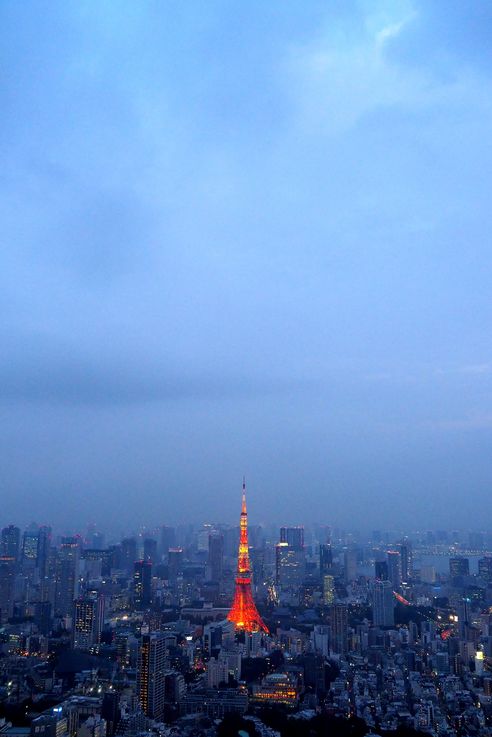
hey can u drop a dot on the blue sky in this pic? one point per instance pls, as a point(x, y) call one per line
point(246, 238)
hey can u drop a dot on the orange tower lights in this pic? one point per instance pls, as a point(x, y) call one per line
point(243, 612)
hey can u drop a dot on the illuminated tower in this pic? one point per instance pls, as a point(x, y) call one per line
point(243, 612)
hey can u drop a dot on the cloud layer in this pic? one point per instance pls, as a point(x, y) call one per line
point(244, 238)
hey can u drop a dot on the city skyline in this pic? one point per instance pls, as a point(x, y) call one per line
point(245, 368)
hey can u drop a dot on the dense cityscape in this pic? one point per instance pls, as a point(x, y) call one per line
point(245, 238)
point(191, 630)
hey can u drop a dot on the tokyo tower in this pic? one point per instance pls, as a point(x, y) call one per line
point(243, 612)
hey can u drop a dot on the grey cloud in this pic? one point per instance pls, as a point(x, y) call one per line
point(50, 373)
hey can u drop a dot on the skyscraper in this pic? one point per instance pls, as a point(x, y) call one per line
point(215, 556)
point(383, 610)
point(142, 584)
point(339, 628)
point(67, 575)
point(293, 536)
point(7, 580)
point(325, 560)
point(290, 565)
point(44, 543)
point(328, 589)
point(350, 564)
point(406, 556)
point(459, 567)
point(151, 674)
point(150, 550)
point(394, 568)
point(87, 621)
point(168, 540)
point(10, 542)
point(30, 544)
point(485, 568)
point(381, 570)
point(243, 612)
point(175, 559)
point(128, 553)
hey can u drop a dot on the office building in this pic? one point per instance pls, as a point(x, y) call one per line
point(142, 584)
point(10, 542)
point(383, 607)
point(485, 569)
point(175, 562)
point(150, 550)
point(215, 556)
point(406, 558)
point(394, 568)
point(350, 565)
point(459, 567)
point(381, 570)
point(328, 590)
point(339, 628)
point(43, 554)
point(151, 674)
point(7, 582)
point(67, 575)
point(88, 620)
point(293, 536)
point(30, 544)
point(290, 566)
point(128, 554)
point(325, 560)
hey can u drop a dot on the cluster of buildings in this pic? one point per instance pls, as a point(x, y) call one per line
point(170, 630)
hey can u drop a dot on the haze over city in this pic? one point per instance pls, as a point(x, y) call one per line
point(246, 238)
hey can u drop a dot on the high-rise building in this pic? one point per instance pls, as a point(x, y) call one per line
point(67, 575)
point(328, 589)
point(381, 570)
point(339, 628)
point(43, 616)
point(243, 611)
point(110, 711)
point(142, 584)
point(175, 562)
point(383, 609)
point(128, 553)
point(202, 538)
point(44, 544)
point(350, 564)
point(50, 725)
point(406, 557)
point(293, 536)
point(88, 619)
point(7, 581)
point(459, 567)
point(325, 560)
point(10, 542)
point(215, 556)
point(290, 566)
point(150, 550)
point(168, 540)
point(30, 544)
point(151, 674)
point(394, 568)
point(485, 568)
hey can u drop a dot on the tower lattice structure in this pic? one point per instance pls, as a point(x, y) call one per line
point(243, 612)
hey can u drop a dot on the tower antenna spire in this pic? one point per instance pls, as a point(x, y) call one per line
point(243, 612)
